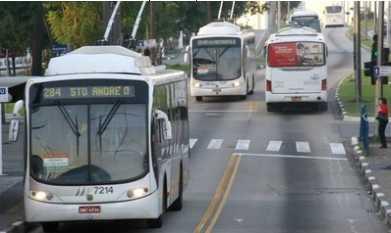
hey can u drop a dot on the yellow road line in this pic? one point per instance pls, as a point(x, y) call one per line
point(216, 205)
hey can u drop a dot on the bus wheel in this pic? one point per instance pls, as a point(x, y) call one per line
point(269, 107)
point(253, 86)
point(178, 203)
point(49, 227)
point(323, 106)
point(198, 98)
point(158, 222)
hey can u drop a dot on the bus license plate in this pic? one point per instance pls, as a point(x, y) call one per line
point(296, 98)
point(89, 209)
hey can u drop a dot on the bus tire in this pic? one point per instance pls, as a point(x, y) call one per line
point(198, 98)
point(252, 87)
point(243, 97)
point(50, 227)
point(269, 107)
point(178, 203)
point(323, 106)
point(158, 222)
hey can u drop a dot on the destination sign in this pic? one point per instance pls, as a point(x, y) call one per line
point(88, 92)
point(217, 42)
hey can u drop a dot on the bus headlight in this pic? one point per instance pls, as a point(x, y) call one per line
point(197, 84)
point(137, 193)
point(41, 195)
point(236, 83)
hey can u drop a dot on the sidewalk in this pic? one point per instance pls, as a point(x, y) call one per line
point(376, 172)
point(11, 183)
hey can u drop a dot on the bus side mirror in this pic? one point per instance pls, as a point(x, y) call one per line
point(186, 59)
point(14, 125)
point(167, 128)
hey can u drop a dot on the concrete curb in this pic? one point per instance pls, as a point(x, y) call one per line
point(339, 102)
point(379, 199)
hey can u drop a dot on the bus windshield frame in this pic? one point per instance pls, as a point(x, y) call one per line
point(96, 134)
point(311, 21)
point(333, 9)
point(288, 59)
point(212, 56)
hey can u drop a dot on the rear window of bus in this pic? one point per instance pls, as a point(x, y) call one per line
point(293, 54)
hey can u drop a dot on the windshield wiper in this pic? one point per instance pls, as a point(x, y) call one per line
point(107, 120)
point(73, 125)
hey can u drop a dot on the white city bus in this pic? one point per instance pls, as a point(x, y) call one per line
point(334, 16)
point(107, 138)
point(296, 69)
point(223, 61)
point(305, 18)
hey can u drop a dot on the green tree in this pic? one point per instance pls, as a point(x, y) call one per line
point(22, 26)
point(75, 23)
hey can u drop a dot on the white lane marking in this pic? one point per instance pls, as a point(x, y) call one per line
point(215, 144)
point(192, 142)
point(274, 146)
point(337, 148)
point(303, 147)
point(292, 156)
point(242, 144)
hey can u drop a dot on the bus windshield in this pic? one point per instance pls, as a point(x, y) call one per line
point(307, 21)
point(296, 54)
point(333, 9)
point(82, 144)
point(216, 59)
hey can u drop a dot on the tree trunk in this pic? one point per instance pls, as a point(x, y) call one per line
point(13, 65)
point(152, 32)
point(37, 38)
point(209, 10)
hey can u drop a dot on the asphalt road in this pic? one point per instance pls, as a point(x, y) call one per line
point(287, 174)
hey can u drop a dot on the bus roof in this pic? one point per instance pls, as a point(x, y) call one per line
point(299, 13)
point(290, 34)
point(100, 59)
point(219, 28)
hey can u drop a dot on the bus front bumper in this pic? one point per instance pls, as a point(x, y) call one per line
point(143, 208)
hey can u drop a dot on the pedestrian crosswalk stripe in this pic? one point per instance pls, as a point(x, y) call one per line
point(337, 148)
point(192, 142)
point(303, 147)
point(274, 146)
point(242, 144)
point(215, 144)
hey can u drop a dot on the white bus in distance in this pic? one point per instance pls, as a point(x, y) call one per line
point(107, 139)
point(296, 69)
point(305, 18)
point(223, 61)
point(334, 16)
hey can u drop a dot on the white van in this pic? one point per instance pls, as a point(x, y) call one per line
point(296, 69)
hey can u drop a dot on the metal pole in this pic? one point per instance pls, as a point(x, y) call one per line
point(221, 8)
point(374, 13)
point(278, 15)
point(110, 23)
point(232, 10)
point(365, 20)
point(288, 8)
point(379, 49)
point(357, 32)
point(389, 25)
point(1, 143)
point(138, 19)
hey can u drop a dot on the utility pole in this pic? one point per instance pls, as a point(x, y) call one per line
point(152, 33)
point(272, 17)
point(366, 19)
point(375, 13)
point(378, 87)
point(278, 15)
point(357, 51)
point(288, 11)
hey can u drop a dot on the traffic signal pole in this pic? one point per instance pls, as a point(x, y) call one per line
point(380, 20)
point(357, 51)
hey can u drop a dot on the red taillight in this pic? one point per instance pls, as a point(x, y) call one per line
point(324, 85)
point(268, 85)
